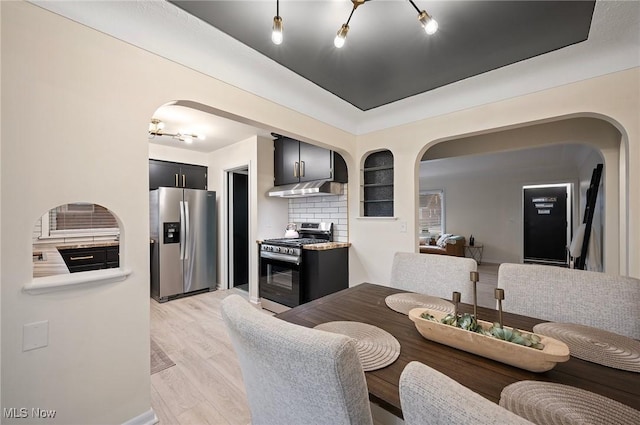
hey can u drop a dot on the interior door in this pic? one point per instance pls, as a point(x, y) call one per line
point(545, 225)
point(240, 229)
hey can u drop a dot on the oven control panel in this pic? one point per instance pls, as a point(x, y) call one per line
point(280, 249)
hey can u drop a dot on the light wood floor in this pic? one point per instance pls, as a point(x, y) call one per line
point(205, 386)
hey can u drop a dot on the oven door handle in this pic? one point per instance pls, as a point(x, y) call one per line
point(280, 257)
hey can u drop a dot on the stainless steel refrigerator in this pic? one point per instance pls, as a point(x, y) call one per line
point(183, 241)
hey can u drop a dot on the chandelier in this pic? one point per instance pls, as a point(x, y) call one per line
point(429, 24)
point(156, 128)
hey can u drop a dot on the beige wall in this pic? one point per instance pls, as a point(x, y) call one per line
point(267, 216)
point(75, 111)
point(613, 98)
point(593, 132)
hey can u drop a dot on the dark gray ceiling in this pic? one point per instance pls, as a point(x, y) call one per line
point(387, 56)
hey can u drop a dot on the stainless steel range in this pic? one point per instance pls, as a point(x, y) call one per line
point(284, 276)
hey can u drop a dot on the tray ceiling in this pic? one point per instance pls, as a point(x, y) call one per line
point(387, 55)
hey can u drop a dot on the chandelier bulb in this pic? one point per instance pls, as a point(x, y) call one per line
point(430, 25)
point(276, 35)
point(341, 36)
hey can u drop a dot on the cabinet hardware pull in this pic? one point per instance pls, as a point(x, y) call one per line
point(176, 180)
point(296, 169)
point(184, 184)
point(86, 257)
point(301, 168)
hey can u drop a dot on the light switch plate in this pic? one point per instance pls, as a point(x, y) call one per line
point(35, 335)
point(403, 227)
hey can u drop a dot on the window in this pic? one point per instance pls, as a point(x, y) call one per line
point(431, 212)
point(78, 219)
point(377, 187)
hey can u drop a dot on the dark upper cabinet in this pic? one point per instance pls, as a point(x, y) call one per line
point(175, 174)
point(286, 161)
point(296, 162)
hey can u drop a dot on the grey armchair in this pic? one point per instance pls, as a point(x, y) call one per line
point(435, 275)
point(293, 374)
point(430, 397)
point(572, 296)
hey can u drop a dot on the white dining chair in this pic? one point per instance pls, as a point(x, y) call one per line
point(563, 295)
point(293, 374)
point(435, 275)
point(429, 397)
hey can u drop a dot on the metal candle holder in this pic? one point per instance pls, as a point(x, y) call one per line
point(475, 277)
point(499, 294)
point(456, 299)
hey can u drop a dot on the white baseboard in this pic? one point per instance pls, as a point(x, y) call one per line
point(147, 418)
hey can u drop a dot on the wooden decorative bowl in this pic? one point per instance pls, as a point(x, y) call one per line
point(527, 358)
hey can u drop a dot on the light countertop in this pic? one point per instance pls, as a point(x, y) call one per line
point(52, 262)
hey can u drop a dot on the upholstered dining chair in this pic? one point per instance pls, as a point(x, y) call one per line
point(587, 298)
point(293, 374)
point(430, 397)
point(436, 275)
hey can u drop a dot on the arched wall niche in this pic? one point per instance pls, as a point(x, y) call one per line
point(599, 135)
point(76, 237)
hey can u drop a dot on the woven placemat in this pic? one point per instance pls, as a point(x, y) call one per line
point(376, 347)
point(405, 302)
point(595, 345)
point(546, 403)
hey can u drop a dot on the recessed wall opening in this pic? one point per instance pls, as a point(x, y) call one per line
point(75, 237)
point(483, 177)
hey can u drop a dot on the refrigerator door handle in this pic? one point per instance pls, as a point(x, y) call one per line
point(187, 225)
point(182, 231)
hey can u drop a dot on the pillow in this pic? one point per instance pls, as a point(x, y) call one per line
point(442, 241)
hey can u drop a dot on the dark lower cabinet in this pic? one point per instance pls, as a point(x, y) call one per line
point(324, 272)
point(93, 258)
point(176, 174)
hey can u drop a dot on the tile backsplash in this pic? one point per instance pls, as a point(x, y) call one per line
point(316, 209)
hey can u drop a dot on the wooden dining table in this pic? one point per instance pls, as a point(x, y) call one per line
point(366, 303)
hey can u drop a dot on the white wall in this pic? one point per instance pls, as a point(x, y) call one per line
point(267, 216)
point(77, 131)
point(185, 156)
point(613, 98)
point(66, 88)
point(489, 205)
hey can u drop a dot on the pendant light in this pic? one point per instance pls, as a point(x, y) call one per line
point(276, 34)
point(341, 37)
point(429, 24)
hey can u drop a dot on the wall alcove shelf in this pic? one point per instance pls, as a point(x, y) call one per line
point(377, 186)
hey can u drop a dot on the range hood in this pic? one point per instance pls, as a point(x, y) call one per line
point(313, 188)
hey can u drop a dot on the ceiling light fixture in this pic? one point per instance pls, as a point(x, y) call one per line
point(430, 25)
point(155, 129)
point(276, 35)
point(341, 37)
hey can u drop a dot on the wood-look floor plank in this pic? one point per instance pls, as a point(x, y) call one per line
point(202, 414)
point(176, 389)
point(160, 408)
point(192, 333)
